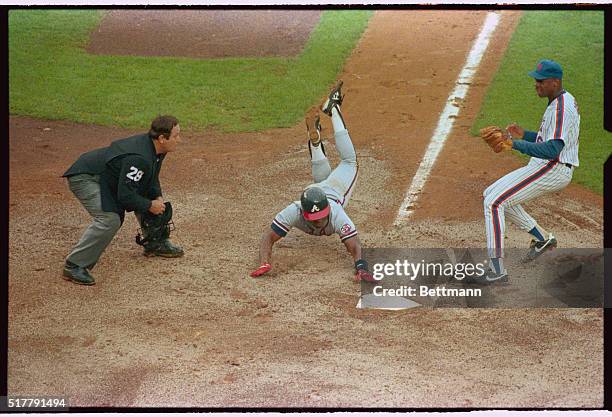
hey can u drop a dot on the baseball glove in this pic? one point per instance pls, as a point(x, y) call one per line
point(498, 139)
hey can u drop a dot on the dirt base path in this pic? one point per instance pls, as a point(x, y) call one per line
point(198, 332)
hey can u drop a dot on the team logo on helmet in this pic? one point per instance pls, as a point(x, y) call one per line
point(540, 67)
point(314, 204)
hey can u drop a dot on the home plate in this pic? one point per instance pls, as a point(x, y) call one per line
point(386, 303)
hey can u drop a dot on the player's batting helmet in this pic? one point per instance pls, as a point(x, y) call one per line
point(314, 203)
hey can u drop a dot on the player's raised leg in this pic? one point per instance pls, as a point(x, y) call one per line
point(344, 177)
point(344, 145)
point(320, 164)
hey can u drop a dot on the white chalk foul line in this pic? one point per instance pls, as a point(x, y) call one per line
point(447, 118)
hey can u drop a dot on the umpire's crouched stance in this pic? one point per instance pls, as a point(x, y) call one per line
point(123, 177)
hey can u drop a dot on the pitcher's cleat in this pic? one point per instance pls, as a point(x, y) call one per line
point(492, 276)
point(489, 277)
point(537, 247)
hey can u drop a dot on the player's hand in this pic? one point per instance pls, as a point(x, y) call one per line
point(363, 275)
point(263, 269)
point(516, 131)
point(157, 207)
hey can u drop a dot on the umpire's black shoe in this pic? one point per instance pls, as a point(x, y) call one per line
point(77, 274)
point(165, 249)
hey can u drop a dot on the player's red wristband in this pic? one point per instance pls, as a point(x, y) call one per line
point(264, 268)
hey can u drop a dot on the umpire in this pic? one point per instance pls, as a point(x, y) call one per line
point(110, 181)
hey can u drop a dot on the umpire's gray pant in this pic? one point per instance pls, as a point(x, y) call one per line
point(101, 231)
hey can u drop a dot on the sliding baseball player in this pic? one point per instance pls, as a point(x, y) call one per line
point(320, 210)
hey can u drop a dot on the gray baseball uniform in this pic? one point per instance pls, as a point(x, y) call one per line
point(338, 186)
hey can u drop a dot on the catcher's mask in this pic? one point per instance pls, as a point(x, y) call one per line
point(314, 204)
point(155, 228)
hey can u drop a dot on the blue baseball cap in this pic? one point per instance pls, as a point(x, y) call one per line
point(547, 69)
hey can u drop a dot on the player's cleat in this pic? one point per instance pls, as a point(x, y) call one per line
point(313, 126)
point(77, 274)
point(489, 277)
point(165, 249)
point(536, 248)
point(335, 99)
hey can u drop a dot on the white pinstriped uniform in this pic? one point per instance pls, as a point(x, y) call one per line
point(503, 198)
point(562, 108)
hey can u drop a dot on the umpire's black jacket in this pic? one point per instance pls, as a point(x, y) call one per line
point(129, 173)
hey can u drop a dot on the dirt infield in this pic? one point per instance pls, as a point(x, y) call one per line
point(198, 331)
point(203, 33)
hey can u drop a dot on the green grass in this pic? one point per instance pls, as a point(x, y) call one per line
point(51, 76)
point(575, 40)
